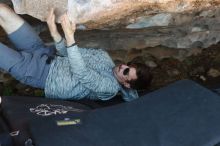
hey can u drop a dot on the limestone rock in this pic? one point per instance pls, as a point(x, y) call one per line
point(99, 13)
point(157, 20)
point(213, 73)
point(147, 23)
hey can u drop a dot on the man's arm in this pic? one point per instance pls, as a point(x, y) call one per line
point(88, 77)
point(59, 41)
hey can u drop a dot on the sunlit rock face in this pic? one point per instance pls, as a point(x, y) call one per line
point(170, 23)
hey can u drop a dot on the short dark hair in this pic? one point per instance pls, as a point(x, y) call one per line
point(144, 76)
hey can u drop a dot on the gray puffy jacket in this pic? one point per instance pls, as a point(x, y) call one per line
point(78, 73)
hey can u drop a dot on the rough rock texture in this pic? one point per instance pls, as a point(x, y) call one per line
point(171, 23)
point(96, 13)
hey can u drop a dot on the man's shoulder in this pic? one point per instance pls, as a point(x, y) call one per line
point(93, 51)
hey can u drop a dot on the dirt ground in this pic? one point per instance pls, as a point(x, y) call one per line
point(203, 68)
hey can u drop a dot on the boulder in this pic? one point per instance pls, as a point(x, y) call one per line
point(172, 23)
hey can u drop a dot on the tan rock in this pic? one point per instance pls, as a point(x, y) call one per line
point(213, 73)
point(137, 24)
point(100, 13)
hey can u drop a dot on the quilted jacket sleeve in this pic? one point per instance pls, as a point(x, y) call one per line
point(61, 48)
point(90, 78)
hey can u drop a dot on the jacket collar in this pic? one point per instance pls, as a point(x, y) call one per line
point(128, 94)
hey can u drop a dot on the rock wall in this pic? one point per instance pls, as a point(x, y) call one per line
point(170, 23)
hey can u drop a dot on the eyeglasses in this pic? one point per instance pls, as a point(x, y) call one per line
point(126, 71)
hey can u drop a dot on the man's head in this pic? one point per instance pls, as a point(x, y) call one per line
point(133, 75)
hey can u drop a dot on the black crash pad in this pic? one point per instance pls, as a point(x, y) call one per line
point(18, 111)
point(5, 138)
point(181, 114)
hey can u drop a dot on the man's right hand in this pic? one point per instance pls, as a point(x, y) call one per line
point(52, 26)
point(69, 29)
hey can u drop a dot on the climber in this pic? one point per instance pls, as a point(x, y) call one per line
point(66, 71)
